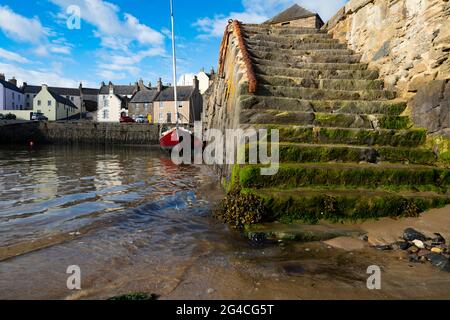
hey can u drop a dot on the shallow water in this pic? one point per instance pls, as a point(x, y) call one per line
point(133, 221)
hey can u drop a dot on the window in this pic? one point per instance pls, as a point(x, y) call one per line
point(28, 105)
point(105, 114)
point(161, 104)
point(71, 98)
point(105, 102)
point(49, 103)
point(39, 102)
point(13, 95)
point(169, 117)
point(161, 117)
point(28, 96)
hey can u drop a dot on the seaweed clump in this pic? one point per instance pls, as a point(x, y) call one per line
point(239, 209)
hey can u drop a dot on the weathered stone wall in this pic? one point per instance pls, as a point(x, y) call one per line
point(407, 40)
point(223, 99)
point(80, 132)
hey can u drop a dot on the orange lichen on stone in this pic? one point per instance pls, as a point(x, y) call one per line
point(252, 83)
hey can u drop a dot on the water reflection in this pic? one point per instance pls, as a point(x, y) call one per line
point(57, 190)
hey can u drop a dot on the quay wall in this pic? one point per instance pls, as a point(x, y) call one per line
point(79, 133)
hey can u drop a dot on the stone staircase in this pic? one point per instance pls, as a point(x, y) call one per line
point(346, 149)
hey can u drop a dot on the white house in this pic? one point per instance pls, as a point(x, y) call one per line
point(11, 97)
point(204, 79)
point(113, 101)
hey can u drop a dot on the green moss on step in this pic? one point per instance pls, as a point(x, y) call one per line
point(410, 155)
point(312, 209)
point(291, 176)
point(394, 122)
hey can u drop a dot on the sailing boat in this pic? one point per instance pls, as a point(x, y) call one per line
point(171, 137)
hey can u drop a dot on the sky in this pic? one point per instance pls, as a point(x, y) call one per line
point(122, 40)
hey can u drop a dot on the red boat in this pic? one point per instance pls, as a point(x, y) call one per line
point(172, 137)
point(169, 139)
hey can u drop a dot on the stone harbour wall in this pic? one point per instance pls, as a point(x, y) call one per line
point(80, 133)
point(222, 101)
point(407, 40)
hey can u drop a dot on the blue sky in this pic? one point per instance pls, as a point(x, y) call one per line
point(121, 40)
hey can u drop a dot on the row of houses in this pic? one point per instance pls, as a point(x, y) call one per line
point(106, 104)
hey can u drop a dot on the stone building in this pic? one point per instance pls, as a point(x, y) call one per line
point(190, 102)
point(141, 104)
point(297, 16)
point(85, 99)
point(11, 97)
point(54, 106)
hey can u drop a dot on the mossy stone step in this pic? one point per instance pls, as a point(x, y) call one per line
point(295, 152)
point(257, 44)
point(334, 175)
point(281, 30)
point(313, 205)
point(308, 153)
point(311, 58)
point(388, 107)
point(333, 84)
point(344, 120)
point(323, 94)
point(315, 73)
point(294, 52)
point(311, 65)
point(294, 41)
point(369, 137)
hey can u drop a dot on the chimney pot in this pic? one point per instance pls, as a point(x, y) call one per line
point(2, 76)
point(13, 81)
point(196, 83)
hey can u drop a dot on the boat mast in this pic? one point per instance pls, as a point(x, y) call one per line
point(174, 58)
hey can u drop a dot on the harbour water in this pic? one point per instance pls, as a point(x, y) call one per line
point(135, 222)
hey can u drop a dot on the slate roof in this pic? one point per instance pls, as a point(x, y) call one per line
point(293, 13)
point(61, 99)
point(91, 91)
point(144, 96)
point(184, 93)
point(124, 90)
point(10, 86)
point(61, 91)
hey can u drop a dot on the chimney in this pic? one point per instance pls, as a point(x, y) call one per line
point(2, 76)
point(136, 86)
point(149, 84)
point(196, 83)
point(80, 86)
point(102, 84)
point(44, 86)
point(111, 88)
point(212, 72)
point(24, 85)
point(159, 85)
point(13, 81)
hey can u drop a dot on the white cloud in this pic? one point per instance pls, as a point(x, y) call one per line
point(258, 11)
point(12, 56)
point(30, 30)
point(117, 34)
point(40, 76)
point(20, 28)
